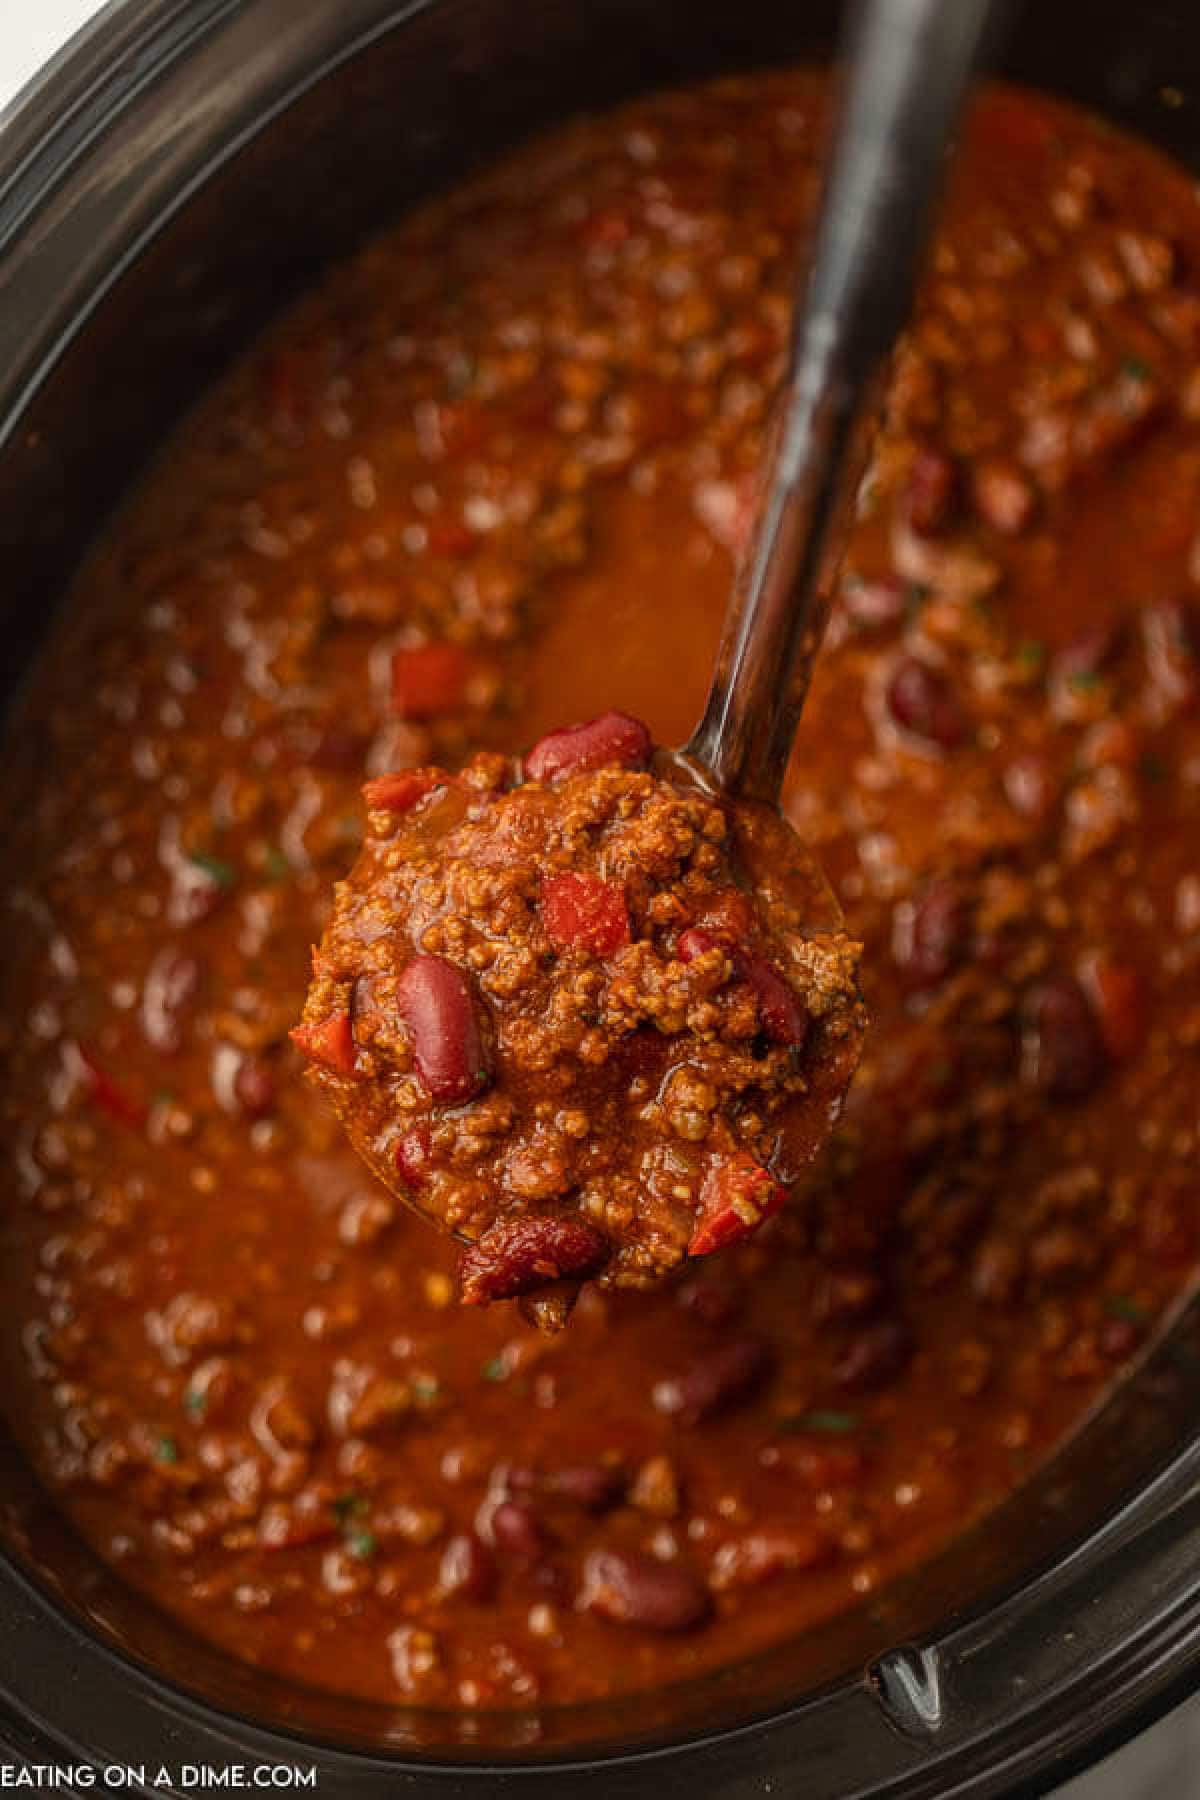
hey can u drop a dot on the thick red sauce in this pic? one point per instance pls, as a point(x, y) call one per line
point(526, 422)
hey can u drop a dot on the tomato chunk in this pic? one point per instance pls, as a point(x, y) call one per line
point(329, 1042)
point(735, 1199)
point(429, 679)
point(582, 912)
point(400, 791)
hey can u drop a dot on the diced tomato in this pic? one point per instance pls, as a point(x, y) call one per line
point(735, 1199)
point(429, 679)
point(329, 1042)
point(109, 1096)
point(400, 791)
point(582, 912)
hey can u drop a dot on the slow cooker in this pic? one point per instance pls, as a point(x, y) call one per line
point(165, 185)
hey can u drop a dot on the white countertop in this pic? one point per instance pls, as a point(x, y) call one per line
point(1164, 1764)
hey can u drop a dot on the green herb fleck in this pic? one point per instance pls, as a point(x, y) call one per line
point(426, 1388)
point(349, 1506)
point(824, 1419)
point(163, 1097)
point(1031, 654)
point(1154, 767)
point(362, 1544)
point(218, 871)
point(915, 596)
point(166, 1450)
point(195, 1402)
point(495, 1369)
point(276, 863)
point(1134, 368)
point(1123, 1306)
point(1085, 681)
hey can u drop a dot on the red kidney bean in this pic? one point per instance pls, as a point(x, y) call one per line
point(254, 1088)
point(714, 1381)
point(712, 1302)
point(401, 791)
point(593, 1486)
point(338, 749)
point(516, 1529)
point(327, 1042)
point(582, 912)
point(930, 935)
point(1119, 1002)
point(921, 700)
point(429, 680)
point(1062, 1049)
point(696, 941)
point(634, 1589)
point(930, 492)
point(875, 1356)
point(514, 1256)
point(736, 1196)
point(169, 988)
point(781, 1012)
point(612, 738)
point(1003, 495)
point(434, 999)
point(466, 1570)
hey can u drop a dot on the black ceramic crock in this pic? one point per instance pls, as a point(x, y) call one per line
point(165, 185)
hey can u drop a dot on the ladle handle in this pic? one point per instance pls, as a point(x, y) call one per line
point(907, 65)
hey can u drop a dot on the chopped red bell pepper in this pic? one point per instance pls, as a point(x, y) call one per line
point(735, 1198)
point(582, 912)
point(329, 1042)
